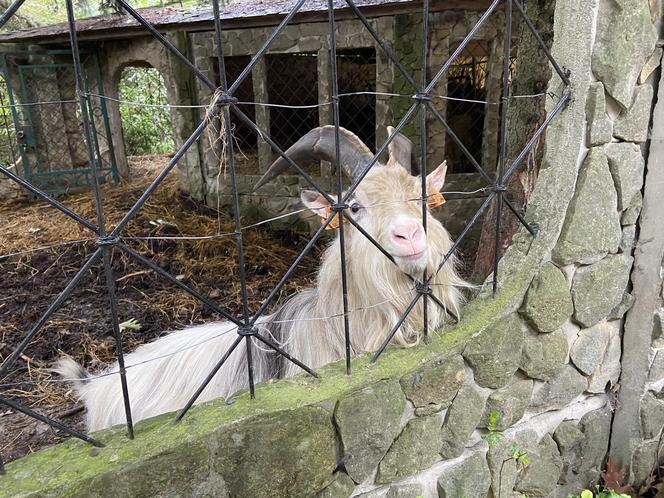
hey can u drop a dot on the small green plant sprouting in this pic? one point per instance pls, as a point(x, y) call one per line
point(599, 493)
point(519, 456)
point(516, 455)
point(494, 435)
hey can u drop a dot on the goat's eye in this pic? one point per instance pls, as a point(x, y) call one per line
point(355, 208)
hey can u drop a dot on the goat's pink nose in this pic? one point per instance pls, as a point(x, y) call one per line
point(409, 237)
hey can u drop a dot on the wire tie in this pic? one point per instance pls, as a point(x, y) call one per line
point(421, 288)
point(246, 331)
point(422, 97)
point(338, 207)
point(107, 241)
point(226, 98)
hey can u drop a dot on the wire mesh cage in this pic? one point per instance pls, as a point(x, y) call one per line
point(293, 94)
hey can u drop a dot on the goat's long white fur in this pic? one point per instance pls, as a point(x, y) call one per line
point(161, 381)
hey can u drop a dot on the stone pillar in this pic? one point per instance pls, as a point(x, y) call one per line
point(325, 113)
point(111, 82)
point(259, 80)
point(384, 80)
point(639, 415)
point(180, 89)
point(494, 87)
point(439, 53)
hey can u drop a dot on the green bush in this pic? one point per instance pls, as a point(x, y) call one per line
point(9, 153)
point(146, 130)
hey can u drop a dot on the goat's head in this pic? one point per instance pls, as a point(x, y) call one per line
point(387, 203)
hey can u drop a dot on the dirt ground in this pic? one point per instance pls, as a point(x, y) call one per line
point(29, 281)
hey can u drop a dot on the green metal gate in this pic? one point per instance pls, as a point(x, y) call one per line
point(41, 88)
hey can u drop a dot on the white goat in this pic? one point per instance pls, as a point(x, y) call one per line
point(164, 374)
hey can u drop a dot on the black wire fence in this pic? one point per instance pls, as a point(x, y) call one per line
point(466, 73)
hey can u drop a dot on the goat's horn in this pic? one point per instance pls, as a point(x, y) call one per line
point(319, 144)
point(401, 151)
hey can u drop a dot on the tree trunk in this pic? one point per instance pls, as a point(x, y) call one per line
point(524, 115)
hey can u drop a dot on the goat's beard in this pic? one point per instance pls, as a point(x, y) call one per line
point(413, 267)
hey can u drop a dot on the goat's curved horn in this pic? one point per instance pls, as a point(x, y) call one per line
point(319, 144)
point(401, 151)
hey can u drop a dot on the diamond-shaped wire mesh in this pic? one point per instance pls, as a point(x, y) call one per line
point(293, 80)
point(357, 77)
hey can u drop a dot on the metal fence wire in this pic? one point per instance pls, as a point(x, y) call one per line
point(465, 70)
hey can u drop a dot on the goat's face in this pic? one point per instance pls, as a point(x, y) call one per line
point(387, 204)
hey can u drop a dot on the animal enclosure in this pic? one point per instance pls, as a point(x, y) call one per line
point(546, 135)
point(296, 91)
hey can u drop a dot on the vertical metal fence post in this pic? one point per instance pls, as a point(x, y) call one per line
point(500, 187)
point(105, 243)
point(225, 99)
point(423, 149)
point(340, 206)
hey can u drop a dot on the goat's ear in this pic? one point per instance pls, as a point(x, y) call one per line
point(436, 179)
point(316, 202)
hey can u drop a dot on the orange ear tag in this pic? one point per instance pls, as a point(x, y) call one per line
point(334, 224)
point(435, 200)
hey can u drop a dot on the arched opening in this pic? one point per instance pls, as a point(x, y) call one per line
point(147, 126)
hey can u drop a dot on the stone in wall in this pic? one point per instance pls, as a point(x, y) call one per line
point(460, 421)
point(589, 347)
point(608, 371)
point(626, 164)
point(632, 124)
point(404, 491)
point(651, 414)
point(368, 421)
point(658, 326)
point(624, 41)
point(631, 215)
point(656, 372)
point(410, 490)
point(510, 403)
point(494, 354)
point(569, 438)
point(625, 304)
point(414, 450)
point(583, 446)
point(656, 57)
point(341, 487)
point(469, 478)
point(628, 240)
point(592, 224)
point(642, 461)
point(302, 441)
point(538, 479)
point(559, 391)
point(599, 125)
point(503, 467)
point(433, 387)
point(543, 355)
point(598, 288)
point(548, 302)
